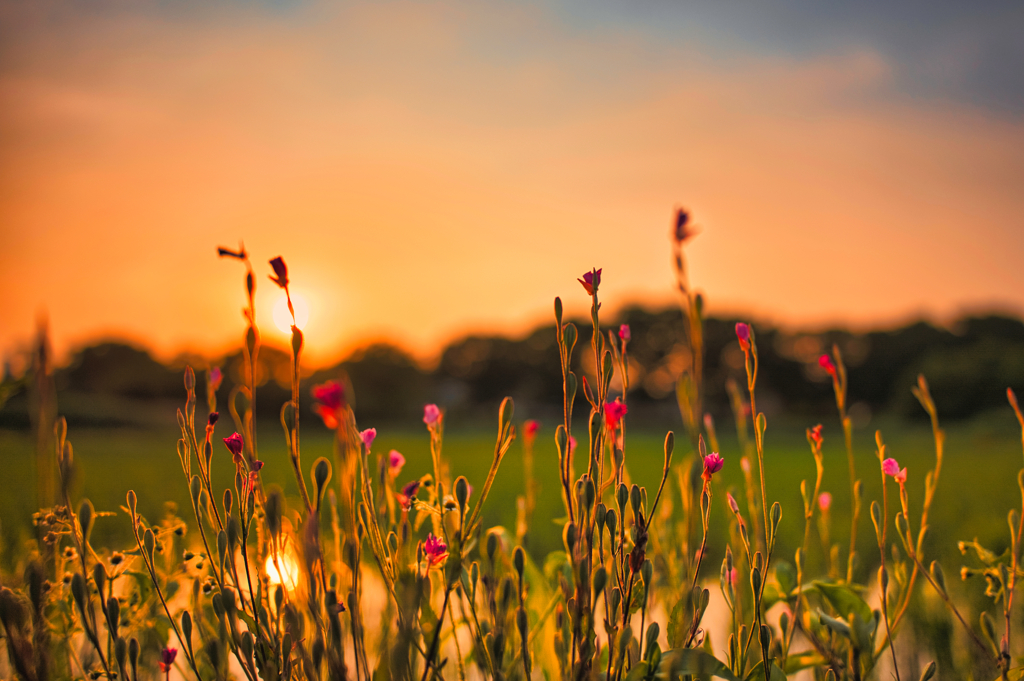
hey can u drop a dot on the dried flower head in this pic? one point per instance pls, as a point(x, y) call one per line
point(408, 494)
point(281, 270)
point(683, 230)
point(591, 280)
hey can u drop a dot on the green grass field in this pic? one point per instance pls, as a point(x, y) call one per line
point(977, 488)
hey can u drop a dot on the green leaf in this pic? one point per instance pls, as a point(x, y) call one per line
point(696, 662)
point(757, 672)
point(638, 672)
point(797, 661)
point(678, 625)
point(844, 600)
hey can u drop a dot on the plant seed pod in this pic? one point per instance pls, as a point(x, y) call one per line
point(600, 580)
point(462, 493)
point(519, 560)
point(492, 546)
point(622, 496)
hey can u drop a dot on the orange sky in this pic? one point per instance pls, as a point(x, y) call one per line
point(430, 168)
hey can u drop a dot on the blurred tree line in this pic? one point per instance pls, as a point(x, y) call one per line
point(969, 365)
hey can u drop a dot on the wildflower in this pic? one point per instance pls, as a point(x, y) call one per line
point(395, 462)
point(167, 656)
point(368, 436)
point(824, 501)
point(408, 494)
point(613, 413)
point(435, 549)
point(624, 334)
point(530, 429)
point(281, 270)
point(331, 400)
point(431, 415)
point(825, 362)
point(890, 467)
point(234, 443)
point(743, 335)
point(815, 435)
point(215, 378)
point(682, 230)
point(901, 477)
point(712, 464)
point(591, 280)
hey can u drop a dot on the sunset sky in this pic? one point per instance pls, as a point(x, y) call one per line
point(431, 168)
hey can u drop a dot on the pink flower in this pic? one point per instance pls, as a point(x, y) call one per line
point(167, 656)
point(613, 413)
point(431, 414)
point(234, 443)
point(281, 270)
point(215, 378)
point(395, 462)
point(824, 501)
point(890, 467)
point(408, 494)
point(591, 280)
point(682, 230)
point(435, 549)
point(901, 477)
point(815, 435)
point(331, 400)
point(572, 445)
point(825, 362)
point(712, 464)
point(624, 334)
point(368, 436)
point(530, 429)
point(733, 577)
point(743, 335)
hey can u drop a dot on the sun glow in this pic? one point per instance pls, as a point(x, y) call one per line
point(289, 568)
point(283, 318)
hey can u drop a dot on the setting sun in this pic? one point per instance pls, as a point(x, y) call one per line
point(283, 318)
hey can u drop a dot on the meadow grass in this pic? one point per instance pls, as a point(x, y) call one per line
point(982, 455)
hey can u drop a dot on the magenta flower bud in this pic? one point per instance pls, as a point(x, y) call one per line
point(215, 377)
point(530, 429)
point(743, 335)
point(572, 445)
point(431, 414)
point(368, 436)
point(167, 656)
point(624, 334)
point(435, 549)
point(330, 397)
point(815, 435)
point(234, 443)
point(825, 362)
point(591, 280)
point(281, 270)
point(824, 501)
point(890, 467)
point(613, 413)
point(395, 462)
point(712, 464)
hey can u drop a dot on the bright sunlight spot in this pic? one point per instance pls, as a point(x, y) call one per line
point(285, 560)
point(283, 318)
